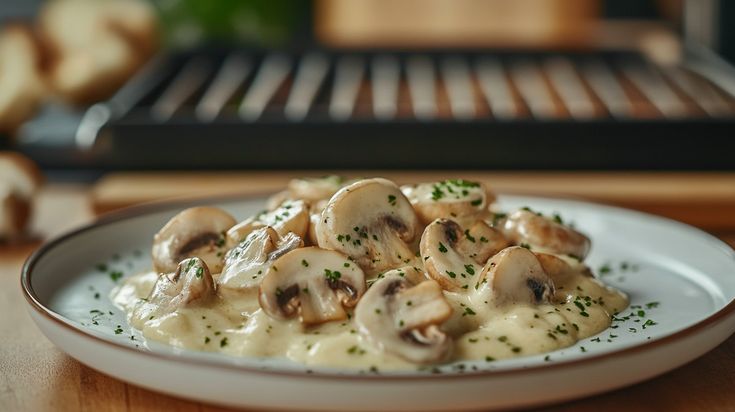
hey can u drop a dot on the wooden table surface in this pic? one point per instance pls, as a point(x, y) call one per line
point(36, 376)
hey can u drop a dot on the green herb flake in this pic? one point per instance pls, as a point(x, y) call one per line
point(332, 275)
point(115, 275)
point(468, 236)
point(442, 248)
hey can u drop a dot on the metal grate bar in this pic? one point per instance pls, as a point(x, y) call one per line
point(272, 73)
point(656, 90)
point(532, 87)
point(568, 85)
point(190, 79)
point(229, 78)
point(494, 85)
point(700, 91)
point(386, 74)
point(309, 78)
point(608, 89)
point(348, 76)
point(458, 82)
point(422, 86)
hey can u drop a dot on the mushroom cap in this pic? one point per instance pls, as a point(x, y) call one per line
point(559, 269)
point(290, 216)
point(372, 222)
point(246, 264)
point(515, 275)
point(312, 189)
point(315, 214)
point(315, 284)
point(191, 284)
point(399, 317)
point(463, 200)
point(454, 257)
point(20, 174)
point(197, 231)
point(526, 227)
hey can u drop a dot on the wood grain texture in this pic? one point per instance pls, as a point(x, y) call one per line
point(706, 200)
point(36, 376)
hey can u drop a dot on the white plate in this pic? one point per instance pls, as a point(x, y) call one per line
point(681, 282)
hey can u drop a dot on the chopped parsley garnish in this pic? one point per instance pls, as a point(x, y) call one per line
point(470, 269)
point(451, 274)
point(476, 202)
point(442, 248)
point(392, 200)
point(115, 275)
point(206, 339)
point(649, 322)
point(332, 275)
point(199, 272)
point(101, 267)
point(304, 263)
point(223, 342)
point(497, 217)
point(468, 236)
point(468, 311)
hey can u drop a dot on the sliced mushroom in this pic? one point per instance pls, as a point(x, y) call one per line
point(454, 257)
point(290, 216)
point(402, 318)
point(315, 284)
point(462, 200)
point(372, 222)
point(198, 231)
point(308, 189)
point(561, 270)
point(515, 275)
point(315, 214)
point(191, 284)
point(20, 179)
point(539, 232)
point(413, 274)
point(246, 264)
point(315, 189)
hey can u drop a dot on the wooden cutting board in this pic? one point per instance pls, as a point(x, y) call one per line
point(706, 200)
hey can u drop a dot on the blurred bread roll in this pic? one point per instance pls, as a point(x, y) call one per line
point(21, 83)
point(19, 182)
point(94, 46)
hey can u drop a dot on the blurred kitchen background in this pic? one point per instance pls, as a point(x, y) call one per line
point(97, 85)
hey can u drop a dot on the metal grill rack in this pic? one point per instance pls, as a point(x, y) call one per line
point(454, 109)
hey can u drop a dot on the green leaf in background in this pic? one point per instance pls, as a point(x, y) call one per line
point(254, 22)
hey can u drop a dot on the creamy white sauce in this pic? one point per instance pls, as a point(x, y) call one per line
point(233, 323)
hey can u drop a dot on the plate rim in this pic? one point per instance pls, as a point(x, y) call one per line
point(157, 206)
